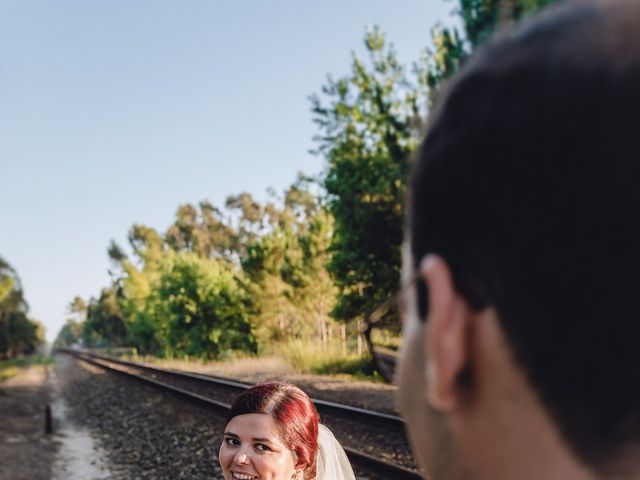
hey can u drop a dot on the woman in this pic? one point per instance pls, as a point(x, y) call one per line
point(273, 433)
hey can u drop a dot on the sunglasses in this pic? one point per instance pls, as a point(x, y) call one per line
point(382, 328)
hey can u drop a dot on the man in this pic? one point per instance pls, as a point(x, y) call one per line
point(521, 355)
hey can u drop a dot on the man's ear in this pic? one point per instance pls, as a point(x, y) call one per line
point(447, 345)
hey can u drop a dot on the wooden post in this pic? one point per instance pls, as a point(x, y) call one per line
point(48, 423)
point(323, 325)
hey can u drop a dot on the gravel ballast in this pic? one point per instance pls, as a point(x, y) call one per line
point(147, 434)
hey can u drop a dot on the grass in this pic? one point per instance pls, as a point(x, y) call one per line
point(280, 360)
point(357, 367)
point(11, 367)
point(232, 368)
point(8, 372)
point(309, 357)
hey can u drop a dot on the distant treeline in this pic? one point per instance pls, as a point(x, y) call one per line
point(309, 262)
point(217, 280)
point(19, 334)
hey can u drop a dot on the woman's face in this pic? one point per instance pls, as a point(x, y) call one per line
point(252, 449)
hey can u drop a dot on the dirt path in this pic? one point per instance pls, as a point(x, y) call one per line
point(26, 453)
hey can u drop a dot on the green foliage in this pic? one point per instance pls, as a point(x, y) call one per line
point(19, 335)
point(482, 17)
point(177, 297)
point(77, 307)
point(368, 132)
point(354, 366)
point(308, 357)
point(135, 282)
point(104, 326)
point(203, 308)
point(70, 334)
point(273, 277)
point(11, 367)
point(266, 263)
point(72, 331)
point(292, 291)
point(437, 65)
point(204, 232)
point(370, 123)
point(146, 334)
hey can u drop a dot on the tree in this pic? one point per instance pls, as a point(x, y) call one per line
point(77, 308)
point(19, 335)
point(70, 333)
point(134, 281)
point(481, 18)
point(285, 266)
point(370, 124)
point(205, 232)
point(203, 306)
point(105, 326)
point(73, 329)
point(368, 132)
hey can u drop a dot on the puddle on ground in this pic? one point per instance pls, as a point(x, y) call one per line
point(79, 457)
point(16, 439)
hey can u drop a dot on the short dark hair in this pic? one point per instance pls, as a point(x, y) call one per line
point(528, 185)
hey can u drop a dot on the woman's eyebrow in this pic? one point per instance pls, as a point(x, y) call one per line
point(231, 434)
point(257, 439)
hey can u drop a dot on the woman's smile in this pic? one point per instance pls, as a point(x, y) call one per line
point(243, 476)
point(252, 449)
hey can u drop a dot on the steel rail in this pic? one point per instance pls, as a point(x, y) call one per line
point(363, 460)
point(323, 406)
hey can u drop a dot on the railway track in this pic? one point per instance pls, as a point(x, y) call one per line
point(216, 393)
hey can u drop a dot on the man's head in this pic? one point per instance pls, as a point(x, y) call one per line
point(524, 219)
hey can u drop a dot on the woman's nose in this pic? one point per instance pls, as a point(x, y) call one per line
point(240, 458)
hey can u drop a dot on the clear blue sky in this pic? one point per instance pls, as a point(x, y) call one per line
point(114, 112)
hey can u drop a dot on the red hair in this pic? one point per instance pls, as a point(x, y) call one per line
point(294, 413)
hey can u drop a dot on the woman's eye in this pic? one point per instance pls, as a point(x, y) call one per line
point(231, 441)
point(262, 447)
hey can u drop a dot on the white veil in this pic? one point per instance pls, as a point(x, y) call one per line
point(332, 462)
